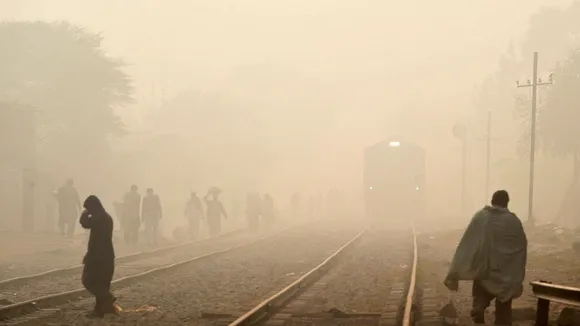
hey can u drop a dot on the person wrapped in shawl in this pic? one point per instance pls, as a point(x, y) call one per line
point(492, 253)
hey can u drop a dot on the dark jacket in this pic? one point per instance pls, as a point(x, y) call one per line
point(151, 208)
point(100, 247)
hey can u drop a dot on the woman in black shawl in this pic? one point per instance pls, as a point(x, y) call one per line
point(99, 261)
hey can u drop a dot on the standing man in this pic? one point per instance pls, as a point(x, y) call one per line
point(152, 213)
point(215, 211)
point(194, 214)
point(131, 216)
point(492, 253)
point(69, 207)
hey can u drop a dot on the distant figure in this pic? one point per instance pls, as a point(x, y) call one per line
point(492, 253)
point(69, 207)
point(194, 214)
point(131, 215)
point(295, 205)
point(253, 210)
point(320, 204)
point(151, 214)
point(215, 211)
point(268, 210)
point(99, 261)
point(118, 208)
point(312, 207)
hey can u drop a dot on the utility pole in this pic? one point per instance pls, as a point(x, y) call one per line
point(460, 132)
point(488, 154)
point(534, 85)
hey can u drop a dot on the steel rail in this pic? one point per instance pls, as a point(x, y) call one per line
point(411, 291)
point(25, 307)
point(121, 259)
point(270, 305)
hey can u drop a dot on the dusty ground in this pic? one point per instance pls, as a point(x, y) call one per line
point(550, 258)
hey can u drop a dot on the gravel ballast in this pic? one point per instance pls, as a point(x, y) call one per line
point(362, 280)
point(230, 283)
point(550, 258)
point(65, 253)
point(69, 281)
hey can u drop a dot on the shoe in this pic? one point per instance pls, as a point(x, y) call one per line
point(110, 307)
point(95, 315)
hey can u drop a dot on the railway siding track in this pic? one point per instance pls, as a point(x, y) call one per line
point(368, 281)
point(133, 268)
point(15, 281)
point(67, 279)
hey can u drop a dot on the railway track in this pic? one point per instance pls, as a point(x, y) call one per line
point(17, 281)
point(370, 280)
point(231, 283)
point(32, 297)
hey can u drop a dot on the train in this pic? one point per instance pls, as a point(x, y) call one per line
point(394, 180)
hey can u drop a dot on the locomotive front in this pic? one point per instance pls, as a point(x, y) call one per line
point(394, 180)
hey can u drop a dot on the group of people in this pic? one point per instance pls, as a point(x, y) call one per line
point(134, 211)
point(259, 210)
point(214, 213)
point(318, 205)
point(492, 252)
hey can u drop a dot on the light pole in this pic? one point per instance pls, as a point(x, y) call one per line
point(488, 154)
point(534, 83)
point(460, 132)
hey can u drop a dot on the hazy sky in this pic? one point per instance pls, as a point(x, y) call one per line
point(393, 67)
point(192, 42)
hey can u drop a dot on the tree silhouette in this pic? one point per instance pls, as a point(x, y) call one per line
point(61, 70)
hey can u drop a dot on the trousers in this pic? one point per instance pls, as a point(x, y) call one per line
point(67, 225)
point(96, 278)
point(482, 299)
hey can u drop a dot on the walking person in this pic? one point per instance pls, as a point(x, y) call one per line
point(69, 207)
point(194, 215)
point(492, 253)
point(99, 261)
point(215, 211)
point(152, 214)
point(131, 215)
point(268, 210)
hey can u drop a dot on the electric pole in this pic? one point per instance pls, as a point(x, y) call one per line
point(460, 132)
point(534, 85)
point(488, 140)
point(488, 154)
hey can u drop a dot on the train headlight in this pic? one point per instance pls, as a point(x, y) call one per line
point(417, 188)
point(394, 144)
point(370, 188)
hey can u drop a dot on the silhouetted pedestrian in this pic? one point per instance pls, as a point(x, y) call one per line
point(69, 206)
point(99, 261)
point(194, 214)
point(131, 219)
point(215, 211)
point(152, 214)
point(492, 253)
